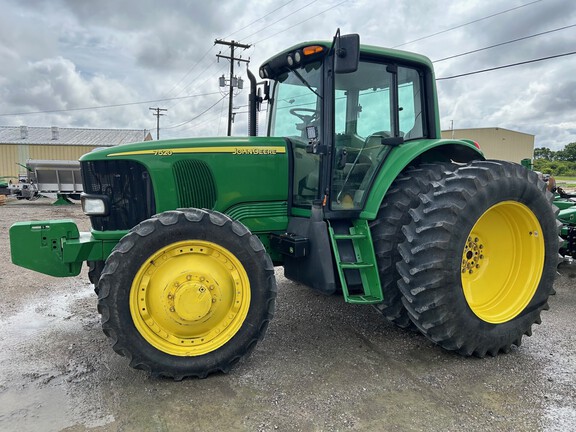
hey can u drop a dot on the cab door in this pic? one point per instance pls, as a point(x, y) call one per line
point(297, 110)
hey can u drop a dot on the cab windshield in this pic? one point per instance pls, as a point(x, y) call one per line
point(297, 102)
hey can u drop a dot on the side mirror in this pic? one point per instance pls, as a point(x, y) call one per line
point(347, 53)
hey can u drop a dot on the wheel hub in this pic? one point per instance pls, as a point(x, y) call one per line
point(473, 254)
point(191, 302)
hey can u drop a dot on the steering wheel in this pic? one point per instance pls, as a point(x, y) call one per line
point(299, 112)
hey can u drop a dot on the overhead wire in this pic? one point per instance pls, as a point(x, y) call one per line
point(212, 47)
point(300, 23)
point(195, 117)
point(503, 43)
point(210, 75)
point(468, 23)
point(277, 21)
point(190, 70)
point(105, 106)
point(256, 20)
point(506, 66)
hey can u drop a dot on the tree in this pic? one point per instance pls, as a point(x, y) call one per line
point(567, 154)
point(544, 153)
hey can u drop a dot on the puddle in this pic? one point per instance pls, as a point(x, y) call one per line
point(32, 410)
point(45, 364)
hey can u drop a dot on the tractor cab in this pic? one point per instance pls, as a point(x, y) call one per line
point(343, 111)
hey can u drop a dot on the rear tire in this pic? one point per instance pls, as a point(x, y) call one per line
point(386, 229)
point(186, 294)
point(480, 258)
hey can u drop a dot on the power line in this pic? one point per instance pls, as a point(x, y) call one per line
point(281, 19)
point(105, 106)
point(190, 70)
point(507, 66)
point(503, 43)
point(209, 76)
point(212, 47)
point(468, 23)
point(301, 22)
point(256, 20)
point(198, 116)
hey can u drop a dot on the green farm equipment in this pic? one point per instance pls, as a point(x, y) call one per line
point(566, 202)
point(352, 191)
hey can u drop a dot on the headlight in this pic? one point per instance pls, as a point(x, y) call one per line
point(95, 205)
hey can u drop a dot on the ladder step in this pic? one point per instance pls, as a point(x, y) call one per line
point(355, 265)
point(363, 299)
point(349, 236)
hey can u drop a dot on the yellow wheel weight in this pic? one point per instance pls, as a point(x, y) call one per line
point(502, 262)
point(190, 298)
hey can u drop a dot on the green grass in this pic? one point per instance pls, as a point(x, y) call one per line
point(569, 182)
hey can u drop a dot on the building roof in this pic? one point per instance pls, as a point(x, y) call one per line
point(71, 136)
point(487, 128)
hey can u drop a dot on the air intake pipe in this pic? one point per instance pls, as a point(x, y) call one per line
point(252, 105)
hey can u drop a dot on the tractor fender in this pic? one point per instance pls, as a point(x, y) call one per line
point(413, 153)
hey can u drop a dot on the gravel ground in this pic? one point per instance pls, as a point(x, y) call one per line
point(323, 366)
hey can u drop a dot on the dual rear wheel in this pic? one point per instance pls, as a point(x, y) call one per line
point(476, 257)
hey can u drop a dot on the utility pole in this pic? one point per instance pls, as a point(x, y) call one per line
point(157, 114)
point(232, 59)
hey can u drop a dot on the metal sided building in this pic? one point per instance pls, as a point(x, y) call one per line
point(20, 143)
point(498, 143)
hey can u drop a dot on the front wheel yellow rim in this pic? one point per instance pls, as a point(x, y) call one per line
point(502, 262)
point(190, 298)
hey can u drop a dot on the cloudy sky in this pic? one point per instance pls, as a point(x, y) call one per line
point(60, 57)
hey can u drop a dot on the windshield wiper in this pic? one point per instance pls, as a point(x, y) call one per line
point(301, 78)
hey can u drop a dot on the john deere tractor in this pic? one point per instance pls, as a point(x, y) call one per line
point(352, 191)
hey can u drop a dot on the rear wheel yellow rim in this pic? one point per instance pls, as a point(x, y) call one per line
point(190, 298)
point(502, 262)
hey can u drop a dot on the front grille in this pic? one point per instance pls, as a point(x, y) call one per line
point(128, 187)
point(195, 184)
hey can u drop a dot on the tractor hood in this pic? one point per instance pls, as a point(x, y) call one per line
point(238, 176)
point(166, 148)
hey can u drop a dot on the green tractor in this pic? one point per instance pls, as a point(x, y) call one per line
point(352, 191)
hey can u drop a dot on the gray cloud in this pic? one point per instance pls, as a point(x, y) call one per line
point(61, 54)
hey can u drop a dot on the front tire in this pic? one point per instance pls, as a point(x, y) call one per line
point(187, 293)
point(480, 257)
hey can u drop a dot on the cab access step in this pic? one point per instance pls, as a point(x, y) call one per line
point(356, 261)
point(350, 245)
